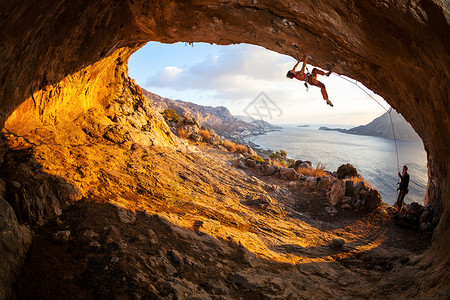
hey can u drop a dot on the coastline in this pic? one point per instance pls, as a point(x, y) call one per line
point(373, 157)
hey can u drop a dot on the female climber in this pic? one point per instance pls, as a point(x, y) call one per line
point(310, 78)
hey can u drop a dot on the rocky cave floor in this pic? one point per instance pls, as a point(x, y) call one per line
point(158, 223)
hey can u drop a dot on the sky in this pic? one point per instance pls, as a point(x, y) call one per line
point(249, 80)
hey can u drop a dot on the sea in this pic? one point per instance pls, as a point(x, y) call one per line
point(373, 157)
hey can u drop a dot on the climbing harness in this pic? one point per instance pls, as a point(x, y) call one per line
point(387, 110)
point(307, 79)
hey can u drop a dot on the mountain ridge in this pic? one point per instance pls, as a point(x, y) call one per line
point(217, 118)
point(382, 127)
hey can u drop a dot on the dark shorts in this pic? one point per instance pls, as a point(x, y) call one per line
point(313, 81)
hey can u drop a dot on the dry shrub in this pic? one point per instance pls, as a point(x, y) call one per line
point(277, 163)
point(319, 171)
point(229, 145)
point(204, 134)
point(241, 148)
point(171, 115)
point(182, 133)
point(357, 179)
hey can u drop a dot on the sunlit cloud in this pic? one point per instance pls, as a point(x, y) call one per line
point(235, 75)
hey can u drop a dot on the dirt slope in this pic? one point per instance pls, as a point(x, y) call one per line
point(160, 223)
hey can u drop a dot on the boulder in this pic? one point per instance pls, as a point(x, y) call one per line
point(116, 134)
point(338, 242)
point(189, 119)
point(323, 183)
point(347, 200)
point(271, 170)
point(358, 187)
point(251, 151)
point(265, 199)
point(364, 194)
point(374, 200)
point(329, 209)
point(62, 236)
point(215, 140)
point(196, 137)
point(289, 173)
point(250, 163)
point(15, 240)
point(424, 216)
point(189, 129)
point(125, 215)
point(349, 188)
point(337, 192)
point(240, 164)
point(311, 182)
point(305, 165)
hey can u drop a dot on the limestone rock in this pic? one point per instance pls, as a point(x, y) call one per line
point(271, 170)
point(188, 129)
point(358, 187)
point(374, 200)
point(338, 242)
point(337, 192)
point(348, 188)
point(289, 173)
point(265, 199)
point(250, 163)
point(15, 240)
point(62, 236)
point(312, 182)
point(196, 137)
point(330, 210)
point(33, 194)
point(215, 140)
point(347, 200)
point(251, 151)
point(189, 119)
point(324, 183)
point(125, 215)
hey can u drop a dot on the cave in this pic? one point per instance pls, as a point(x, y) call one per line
point(63, 60)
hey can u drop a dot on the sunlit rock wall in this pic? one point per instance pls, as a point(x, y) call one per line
point(62, 59)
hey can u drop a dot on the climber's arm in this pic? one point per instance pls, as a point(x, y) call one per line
point(296, 65)
point(305, 59)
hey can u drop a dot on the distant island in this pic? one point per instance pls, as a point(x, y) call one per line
point(303, 126)
point(381, 127)
point(334, 129)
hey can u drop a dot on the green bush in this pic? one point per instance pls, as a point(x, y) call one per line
point(279, 156)
point(346, 170)
point(170, 115)
point(256, 158)
point(290, 163)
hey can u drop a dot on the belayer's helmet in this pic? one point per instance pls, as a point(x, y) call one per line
point(290, 74)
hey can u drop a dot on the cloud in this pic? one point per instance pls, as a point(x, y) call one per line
point(235, 75)
point(237, 72)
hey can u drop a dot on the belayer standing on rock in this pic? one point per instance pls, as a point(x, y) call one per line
point(310, 78)
point(403, 187)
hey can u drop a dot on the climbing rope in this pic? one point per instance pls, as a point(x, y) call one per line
point(387, 110)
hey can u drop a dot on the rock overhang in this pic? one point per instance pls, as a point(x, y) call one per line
point(399, 50)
